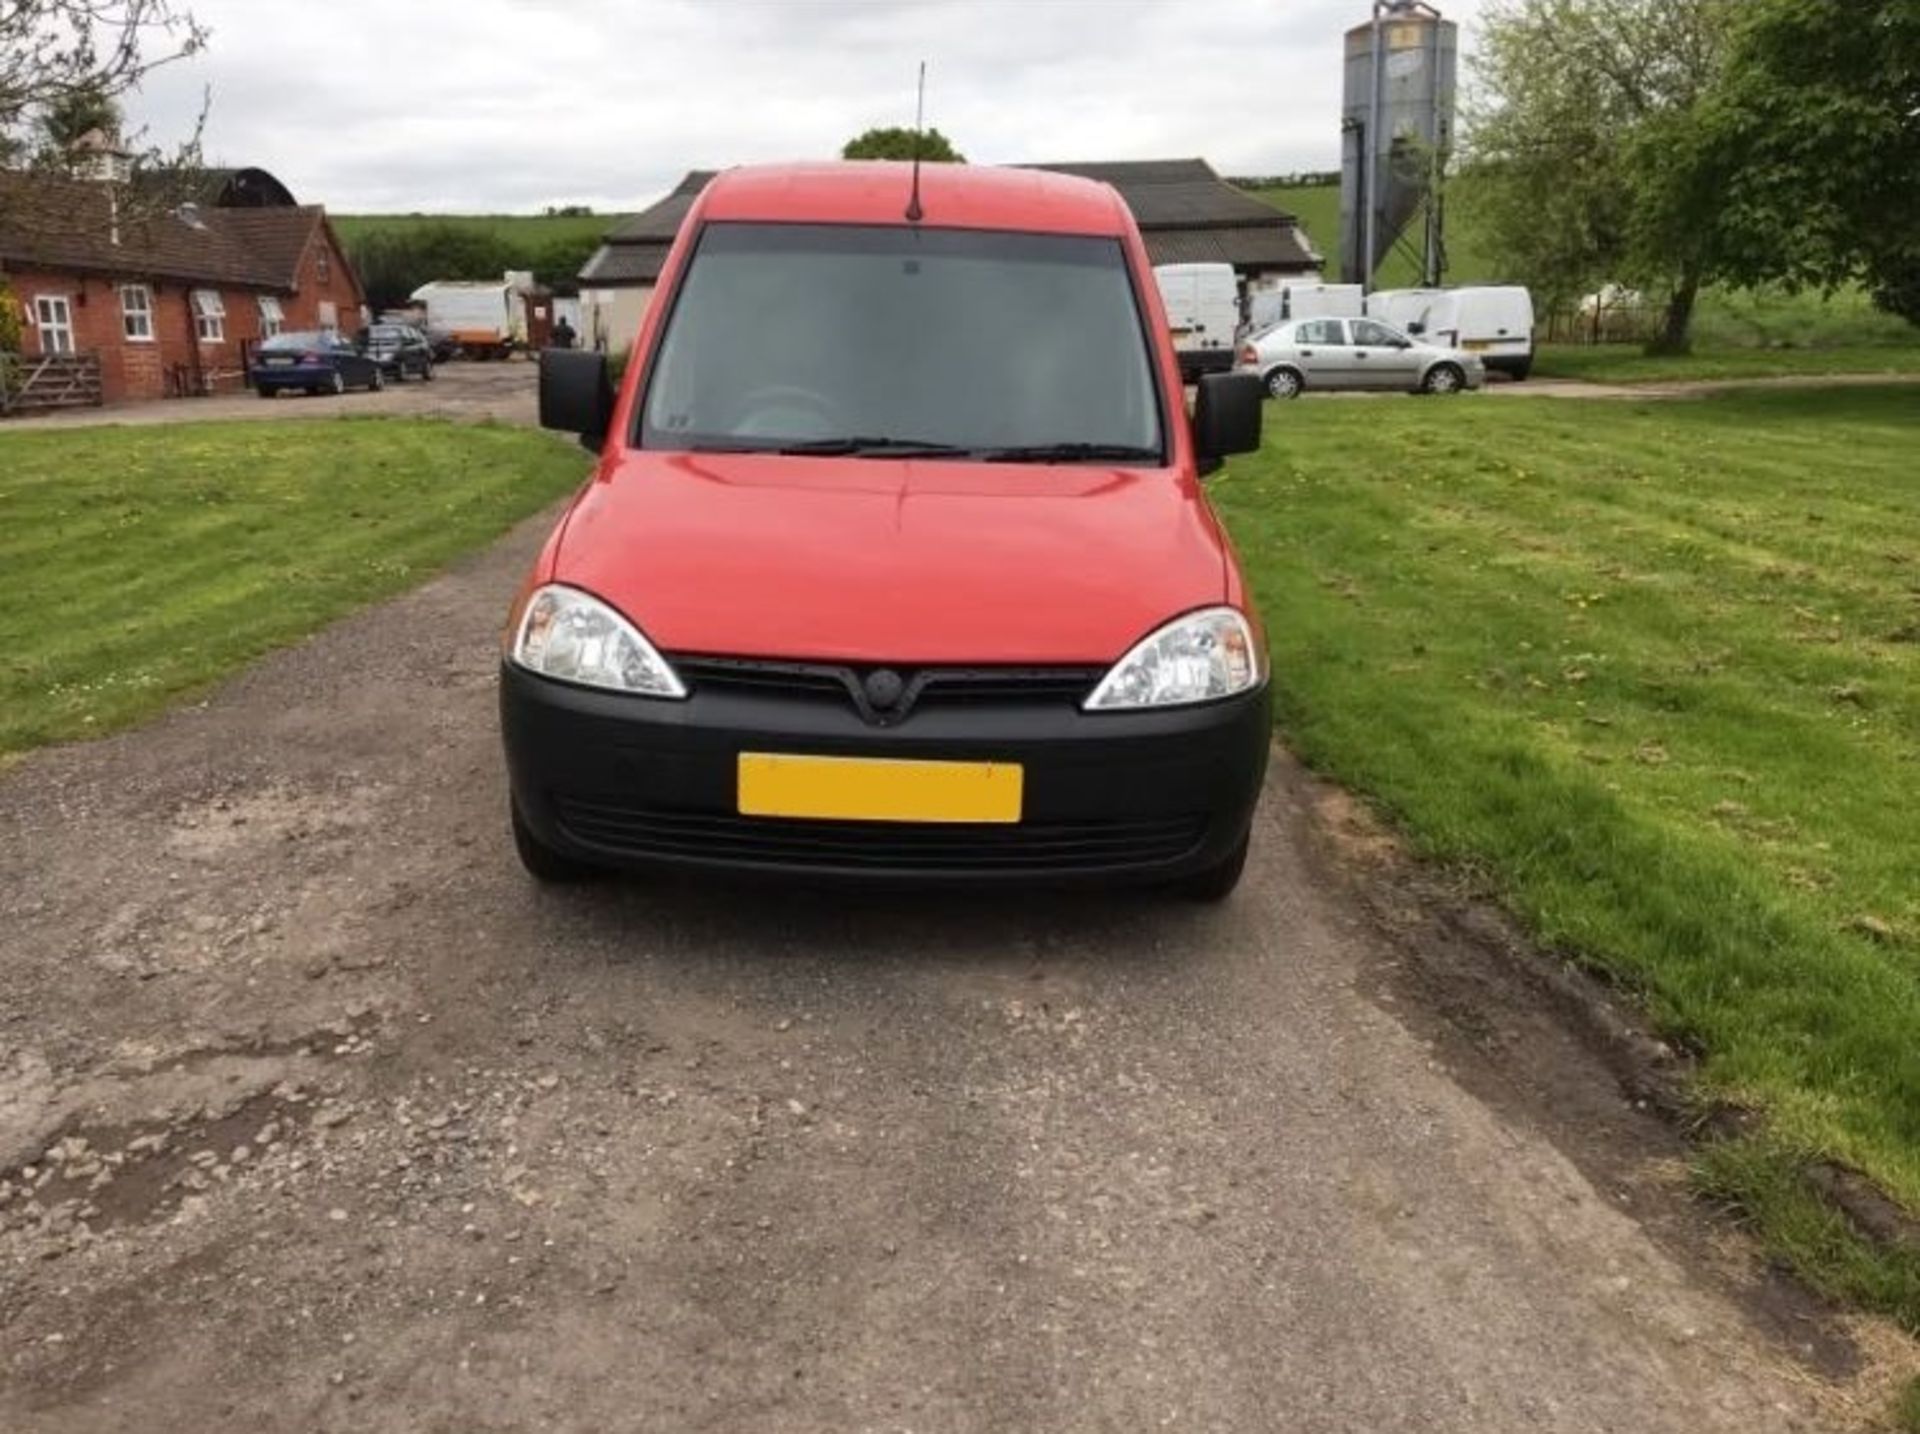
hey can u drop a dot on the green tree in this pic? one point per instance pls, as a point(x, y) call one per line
point(1816, 136)
point(558, 261)
point(1585, 137)
point(393, 261)
point(73, 116)
point(897, 142)
point(12, 319)
point(64, 63)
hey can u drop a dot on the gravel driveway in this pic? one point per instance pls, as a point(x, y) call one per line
point(500, 391)
point(504, 393)
point(316, 1114)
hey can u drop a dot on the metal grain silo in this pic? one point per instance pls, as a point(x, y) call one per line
point(1397, 126)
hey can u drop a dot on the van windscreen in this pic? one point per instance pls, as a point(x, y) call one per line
point(852, 338)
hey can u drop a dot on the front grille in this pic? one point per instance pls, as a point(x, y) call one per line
point(880, 846)
point(784, 679)
point(919, 688)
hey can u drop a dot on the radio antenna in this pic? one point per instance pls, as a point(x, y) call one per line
point(919, 115)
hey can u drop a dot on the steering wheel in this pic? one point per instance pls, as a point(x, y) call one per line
point(787, 411)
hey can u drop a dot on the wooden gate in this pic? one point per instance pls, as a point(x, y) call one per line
point(33, 383)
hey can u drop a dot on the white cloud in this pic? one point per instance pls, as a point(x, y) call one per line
point(507, 105)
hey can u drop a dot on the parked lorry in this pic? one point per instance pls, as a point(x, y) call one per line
point(487, 318)
point(1493, 321)
point(1203, 312)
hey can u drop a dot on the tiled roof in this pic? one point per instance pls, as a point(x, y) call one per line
point(1120, 172)
point(1266, 247)
point(80, 224)
point(274, 238)
point(1187, 214)
point(636, 247)
point(1175, 193)
point(661, 221)
point(1190, 215)
point(625, 263)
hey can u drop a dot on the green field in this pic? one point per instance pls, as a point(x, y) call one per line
point(525, 230)
point(1317, 207)
point(1627, 364)
point(1652, 671)
point(144, 563)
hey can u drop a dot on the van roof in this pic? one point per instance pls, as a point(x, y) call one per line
point(952, 196)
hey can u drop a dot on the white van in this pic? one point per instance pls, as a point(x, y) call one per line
point(1268, 307)
point(1203, 311)
point(1403, 308)
point(1265, 308)
point(1324, 301)
point(1493, 321)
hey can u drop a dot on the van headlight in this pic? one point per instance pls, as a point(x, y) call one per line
point(573, 636)
point(1201, 657)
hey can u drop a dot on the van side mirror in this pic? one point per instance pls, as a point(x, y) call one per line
point(1416, 328)
point(1226, 416)
point(576, 394)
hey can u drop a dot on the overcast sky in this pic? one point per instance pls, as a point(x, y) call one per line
point(509, 105)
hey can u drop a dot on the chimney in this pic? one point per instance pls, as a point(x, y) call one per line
point(97, 155)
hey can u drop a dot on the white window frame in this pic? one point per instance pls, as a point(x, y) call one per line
point(136, 319)
point(272, 317)
point(209, 316)
point(329, 316)
point(56, 334)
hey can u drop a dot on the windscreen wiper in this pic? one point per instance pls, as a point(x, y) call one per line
point(861, 446)
point(1071, 453)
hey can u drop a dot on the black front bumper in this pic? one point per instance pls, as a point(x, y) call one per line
point(638, 782)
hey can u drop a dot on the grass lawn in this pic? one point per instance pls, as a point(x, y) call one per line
point(1625, 363)
point(144, 563)
point(1653, 672)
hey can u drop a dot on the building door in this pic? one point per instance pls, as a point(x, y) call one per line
point(539, 307)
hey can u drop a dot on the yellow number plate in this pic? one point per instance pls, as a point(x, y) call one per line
point(875, 789)
point(1474, 346)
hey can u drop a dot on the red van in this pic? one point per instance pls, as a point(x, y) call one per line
point(896, 562)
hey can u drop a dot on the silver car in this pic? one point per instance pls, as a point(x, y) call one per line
point(1354, 354)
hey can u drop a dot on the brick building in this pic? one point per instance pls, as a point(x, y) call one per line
point(172, 299)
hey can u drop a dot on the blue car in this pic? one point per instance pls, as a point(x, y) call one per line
point(316, 362)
